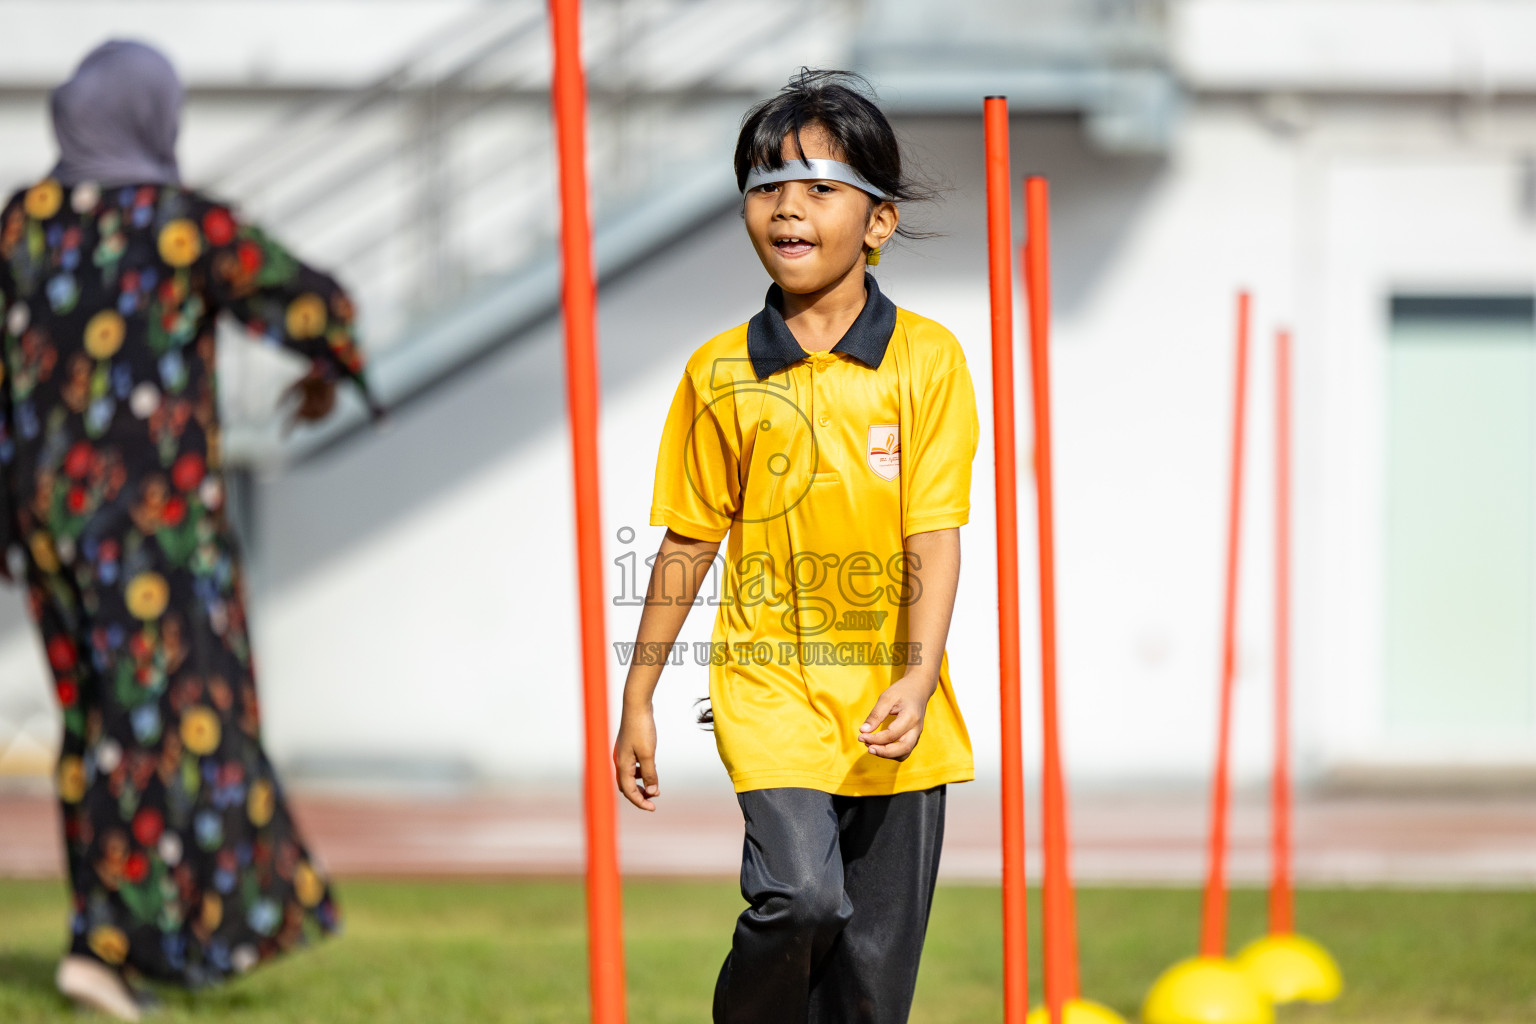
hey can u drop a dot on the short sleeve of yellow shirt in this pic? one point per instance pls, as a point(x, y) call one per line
point(943, 441)
point(697, 484)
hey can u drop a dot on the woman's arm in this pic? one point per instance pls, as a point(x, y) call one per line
point(933, 558)
point(294, 305)
point(679, 570)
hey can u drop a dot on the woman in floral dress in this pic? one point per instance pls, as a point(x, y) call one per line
point(184, 863)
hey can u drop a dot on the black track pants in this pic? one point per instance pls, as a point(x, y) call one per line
point(839, 889)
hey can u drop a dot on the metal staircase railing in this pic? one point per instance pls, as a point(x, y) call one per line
point(429, 191)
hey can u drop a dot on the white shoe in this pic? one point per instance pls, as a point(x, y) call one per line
point(95, 986)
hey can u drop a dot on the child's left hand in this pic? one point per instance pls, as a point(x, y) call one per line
point(906, 699)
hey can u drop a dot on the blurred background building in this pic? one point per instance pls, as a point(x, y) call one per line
point(1367, 167)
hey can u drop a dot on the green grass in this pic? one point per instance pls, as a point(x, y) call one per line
point(514, 951)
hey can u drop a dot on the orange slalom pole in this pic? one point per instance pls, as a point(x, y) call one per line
point(1060, 925)
point(1000, 282)
point(605, 928)
point(1281, 901)
point(1213, 931)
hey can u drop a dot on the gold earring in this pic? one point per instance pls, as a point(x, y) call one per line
point(872, 258)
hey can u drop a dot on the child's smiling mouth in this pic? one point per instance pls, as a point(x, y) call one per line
point(792, 246)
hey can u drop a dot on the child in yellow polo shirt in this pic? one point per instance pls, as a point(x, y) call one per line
point(828, 442)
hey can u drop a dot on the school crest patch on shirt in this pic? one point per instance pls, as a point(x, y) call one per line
point(884, 453)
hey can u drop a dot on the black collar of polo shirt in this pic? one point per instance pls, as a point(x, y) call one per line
point(773, 347)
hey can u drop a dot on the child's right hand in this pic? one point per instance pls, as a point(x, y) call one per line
point(634, 757)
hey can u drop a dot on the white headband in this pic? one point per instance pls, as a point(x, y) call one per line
point(813, 170)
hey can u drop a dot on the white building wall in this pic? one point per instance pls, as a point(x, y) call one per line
point(1149, 256)
point(1142, 362)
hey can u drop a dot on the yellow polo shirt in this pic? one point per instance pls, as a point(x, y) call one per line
point(817, 466)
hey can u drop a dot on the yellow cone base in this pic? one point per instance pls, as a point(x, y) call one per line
point(1076, 1011)
point(1292, 968)
point(1206, 990)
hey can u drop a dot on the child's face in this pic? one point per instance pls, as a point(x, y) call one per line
point(811, 234)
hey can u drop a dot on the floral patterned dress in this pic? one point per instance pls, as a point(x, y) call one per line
point(182, 856)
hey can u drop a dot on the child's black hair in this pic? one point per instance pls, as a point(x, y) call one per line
point(840, 103)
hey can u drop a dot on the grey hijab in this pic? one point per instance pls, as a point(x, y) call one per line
point(116, 118)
